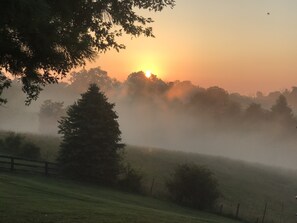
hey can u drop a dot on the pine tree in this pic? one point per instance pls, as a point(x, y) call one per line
point(281, 107)
point(91, 146)
point(283, 114)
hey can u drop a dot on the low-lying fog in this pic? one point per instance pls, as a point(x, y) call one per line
point(176, 115)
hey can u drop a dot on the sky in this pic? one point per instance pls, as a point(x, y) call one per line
point(233, 44)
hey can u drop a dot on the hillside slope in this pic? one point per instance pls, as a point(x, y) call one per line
point(249, 184)
point(29, 199)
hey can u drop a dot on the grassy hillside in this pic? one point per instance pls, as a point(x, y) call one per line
point(29, 199)
point(251, 185)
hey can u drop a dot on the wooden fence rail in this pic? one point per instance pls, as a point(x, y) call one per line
point(13, 163)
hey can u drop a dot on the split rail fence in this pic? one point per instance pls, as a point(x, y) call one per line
point(18, 164)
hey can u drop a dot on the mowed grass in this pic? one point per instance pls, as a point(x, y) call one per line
point(29, 199)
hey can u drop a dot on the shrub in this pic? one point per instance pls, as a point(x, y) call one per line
point(193, 186)
point(30, 150)
point(15, 145)
point(131, 180)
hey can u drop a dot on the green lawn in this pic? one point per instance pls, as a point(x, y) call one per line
point(27, 198)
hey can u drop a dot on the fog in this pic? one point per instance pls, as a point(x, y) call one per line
point(146, 125)
point(172, 115)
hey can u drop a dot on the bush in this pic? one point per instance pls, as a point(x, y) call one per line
point(193, 186)
point(30, 150)
point(15, 145)
point(131, 180)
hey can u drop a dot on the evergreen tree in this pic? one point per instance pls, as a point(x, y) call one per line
point(282, 112)
point(281, 107)
point(91, 139)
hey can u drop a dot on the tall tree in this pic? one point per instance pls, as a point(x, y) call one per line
point(80, 81)
point(282, 113)
point(139, 86)
point(91, 146)
point(281, 108)
point(43, 40)
point(255, 113)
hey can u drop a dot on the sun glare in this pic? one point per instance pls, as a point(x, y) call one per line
point(148, 73)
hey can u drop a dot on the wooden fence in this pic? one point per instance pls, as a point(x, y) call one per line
point(19, 164)
point(268, 213)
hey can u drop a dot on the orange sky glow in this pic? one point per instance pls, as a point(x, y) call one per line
point(232, 44)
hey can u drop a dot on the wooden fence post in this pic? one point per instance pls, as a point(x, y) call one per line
point(264, 213)
point(221, 209)
point(282, 212)
point(237, 210)
point(152, 186)
point(11, 163)
point(46, 168)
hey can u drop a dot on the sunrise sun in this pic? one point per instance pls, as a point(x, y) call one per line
point(148, 73)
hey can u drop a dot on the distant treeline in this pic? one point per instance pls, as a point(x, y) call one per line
point(178, 97)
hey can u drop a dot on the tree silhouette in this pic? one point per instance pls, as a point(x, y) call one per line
point(139, 86)
point(281, 109)
point(282, 114)
point(254, 112)
point(91, 139)
point(16, 145)
point(43, 40)
point(49, 114)
point(81, 80)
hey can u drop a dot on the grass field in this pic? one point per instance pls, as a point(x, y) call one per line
point(30, 199)
point(251, 185)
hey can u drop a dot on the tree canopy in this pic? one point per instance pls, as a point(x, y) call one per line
point(41, 41)
point(80, 81)
point(50, 112)
point(282, 112)
point(91, 139)
point(281, 107)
